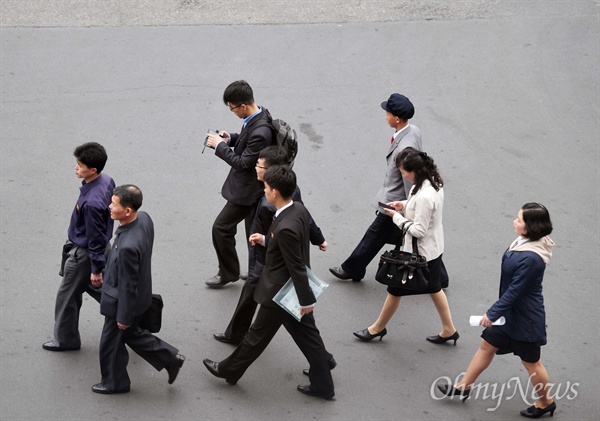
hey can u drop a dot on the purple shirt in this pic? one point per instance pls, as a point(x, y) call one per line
point(91, 226)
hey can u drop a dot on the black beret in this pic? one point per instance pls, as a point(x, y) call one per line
point(400, 106)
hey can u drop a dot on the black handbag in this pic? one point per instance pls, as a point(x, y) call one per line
point(402, 269)
point(152, 318)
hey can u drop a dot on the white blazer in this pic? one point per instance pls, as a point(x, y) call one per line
point(424, 209)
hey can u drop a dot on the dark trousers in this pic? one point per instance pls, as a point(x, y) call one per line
point(223, 235)
point(114, 356)
point(381, 232)
point(246, 307)
point(75, 270)
point(263, 329)
point(242, 315)
point(257, 256)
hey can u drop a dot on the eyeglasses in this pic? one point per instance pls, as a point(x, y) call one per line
point(262, 168)
point(233, 108)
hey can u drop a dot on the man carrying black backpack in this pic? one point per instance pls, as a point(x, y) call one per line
point(241, 188)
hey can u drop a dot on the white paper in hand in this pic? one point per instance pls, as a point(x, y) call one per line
point(287, 298)
point(474, 321)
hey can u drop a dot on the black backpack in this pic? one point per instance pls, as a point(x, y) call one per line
point(284, 136)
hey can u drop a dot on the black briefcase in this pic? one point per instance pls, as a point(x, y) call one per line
point(152, 318)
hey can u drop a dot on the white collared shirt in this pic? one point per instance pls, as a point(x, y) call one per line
point(284, 207)
point(401, 130)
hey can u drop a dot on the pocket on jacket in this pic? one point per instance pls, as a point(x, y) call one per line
point(109, 301)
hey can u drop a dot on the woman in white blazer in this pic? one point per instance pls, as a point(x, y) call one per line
point(423, 208)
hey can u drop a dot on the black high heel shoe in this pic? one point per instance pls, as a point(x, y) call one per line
point(365, 336)
point(449, 390)
point(437, 339)
point(534, 412)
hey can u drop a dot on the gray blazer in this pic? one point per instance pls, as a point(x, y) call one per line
point(394, 186)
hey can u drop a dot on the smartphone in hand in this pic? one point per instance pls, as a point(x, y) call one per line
point(385, 206)
point(211, 132)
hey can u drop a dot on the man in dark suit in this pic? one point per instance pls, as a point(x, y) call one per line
point(287, 256)
point(383, 231)
point(127, 294)
point(241, 188)
point(263, 217)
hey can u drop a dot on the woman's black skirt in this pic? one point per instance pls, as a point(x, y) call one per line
point(438, 277)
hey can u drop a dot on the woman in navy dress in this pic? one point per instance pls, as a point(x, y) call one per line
point(522, 304)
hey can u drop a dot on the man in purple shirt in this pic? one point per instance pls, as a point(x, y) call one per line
point(84, 259)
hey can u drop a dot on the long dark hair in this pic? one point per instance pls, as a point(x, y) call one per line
point(423, 166)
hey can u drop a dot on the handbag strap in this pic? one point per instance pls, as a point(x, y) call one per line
point(403, 230)
point(415, 247)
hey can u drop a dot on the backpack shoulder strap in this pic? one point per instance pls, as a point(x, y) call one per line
point(268, 122)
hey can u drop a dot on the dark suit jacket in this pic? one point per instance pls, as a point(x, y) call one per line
point(241, 186)
point(288, 255)
point(264, 217)
point(127, 281)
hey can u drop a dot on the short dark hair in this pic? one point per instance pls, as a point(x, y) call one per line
point(281, 178)
point(92, 155)
point(238, 92)
point(274, 155)
point(537, 220)
point(129, 195)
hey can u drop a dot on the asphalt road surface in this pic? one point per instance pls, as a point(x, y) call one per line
point(506, 96)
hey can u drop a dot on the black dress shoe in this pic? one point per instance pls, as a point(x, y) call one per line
point(535, 412)
point(332, 365)
point(365, 336)
point(222, 338)
point(307, 390)
point(217, 282)
point(449, 390)
point(340, 273)
point(51, 346)
point(213, 367)
point(98, 388)
point(173, 368)
point(437, 339)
